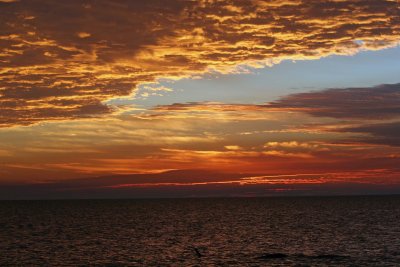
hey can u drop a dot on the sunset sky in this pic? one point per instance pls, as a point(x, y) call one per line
point(118, 98)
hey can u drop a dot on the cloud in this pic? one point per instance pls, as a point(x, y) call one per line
point(379, 133)
point(197, 182)
point(61, 60)
point(372, 112)
point(178, 137)
point(369, 103)
point(208, 107)
point(233, 147)
point(380, 102)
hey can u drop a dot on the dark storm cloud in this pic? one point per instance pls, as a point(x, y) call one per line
point(53, 52)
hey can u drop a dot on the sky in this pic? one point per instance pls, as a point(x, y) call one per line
point(126, 99)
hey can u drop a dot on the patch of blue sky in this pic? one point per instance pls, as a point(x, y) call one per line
point(365, 69)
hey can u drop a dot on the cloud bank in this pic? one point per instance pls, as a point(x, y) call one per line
point(371, 111)
point(380, 102)
point(61, 60)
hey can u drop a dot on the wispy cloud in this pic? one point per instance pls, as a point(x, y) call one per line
point(209, 183)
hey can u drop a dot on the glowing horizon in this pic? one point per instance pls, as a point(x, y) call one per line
point(202, 97)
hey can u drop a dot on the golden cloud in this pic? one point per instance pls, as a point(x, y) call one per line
point(61, 60)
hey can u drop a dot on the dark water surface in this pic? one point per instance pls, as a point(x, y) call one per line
point(297, 231)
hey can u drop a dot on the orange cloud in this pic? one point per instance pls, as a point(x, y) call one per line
point(204, 183)
point(57, 66)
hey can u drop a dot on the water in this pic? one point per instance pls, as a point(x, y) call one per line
point(296, 231)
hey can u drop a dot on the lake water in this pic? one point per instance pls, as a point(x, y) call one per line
point(292, 231)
